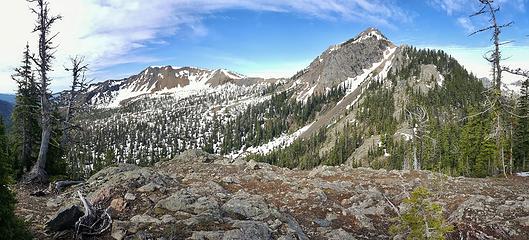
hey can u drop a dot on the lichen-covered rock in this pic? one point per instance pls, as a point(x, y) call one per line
point(179, 201)
point(186, 199)
point(248, 206)
point(249, 230)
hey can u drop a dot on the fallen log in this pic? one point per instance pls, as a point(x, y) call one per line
point(60, 185)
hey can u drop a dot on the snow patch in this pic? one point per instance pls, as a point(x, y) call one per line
point(440, 80)
point(279, 142)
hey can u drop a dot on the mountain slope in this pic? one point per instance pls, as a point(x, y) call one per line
point(342, 63)
point(6, 108)
point(8, 98)
point(350, 105)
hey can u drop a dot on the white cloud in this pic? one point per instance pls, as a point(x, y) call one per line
point(451, 6)
point(106, 31)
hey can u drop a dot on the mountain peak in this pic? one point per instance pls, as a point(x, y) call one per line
point(370, 32)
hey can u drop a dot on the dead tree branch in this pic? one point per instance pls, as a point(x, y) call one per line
point(94, 222)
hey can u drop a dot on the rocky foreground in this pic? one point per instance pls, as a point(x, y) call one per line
point(200, 196)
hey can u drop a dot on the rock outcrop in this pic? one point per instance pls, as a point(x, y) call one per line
point(200, 196)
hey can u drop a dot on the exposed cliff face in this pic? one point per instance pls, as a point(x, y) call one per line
point(200, 196)
point(342, 62)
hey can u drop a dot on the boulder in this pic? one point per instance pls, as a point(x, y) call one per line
point(145, 219)
point(64, 219)
point(249, 230)
point(149, 187)
point(179, 201)
point(339, 234)
point(248, 206)
point(130, 197)
point(117, 205)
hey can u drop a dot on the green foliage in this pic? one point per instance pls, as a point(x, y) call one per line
point(478, 151)
point(10, 226)
point(25, 131)
point(448, 144)
point(422, 218)
point(265, 121)
point(521, 131)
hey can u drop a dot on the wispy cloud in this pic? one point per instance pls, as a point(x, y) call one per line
point(464, 8)
point(104, 31)
point(467, 24)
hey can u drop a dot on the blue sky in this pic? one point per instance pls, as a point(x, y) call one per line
point(256, 38)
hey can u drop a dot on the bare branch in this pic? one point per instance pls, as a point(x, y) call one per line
point(517, 71)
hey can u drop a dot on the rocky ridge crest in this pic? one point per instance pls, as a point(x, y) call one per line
point(201, 196)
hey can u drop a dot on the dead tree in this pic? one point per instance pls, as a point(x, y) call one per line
point(43, 62)
point(79, 84)
point(494, 57)
point(94, 222)
point(417, 118)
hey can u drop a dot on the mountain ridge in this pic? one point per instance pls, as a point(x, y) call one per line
point(348, 105)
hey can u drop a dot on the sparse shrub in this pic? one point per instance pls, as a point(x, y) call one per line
point(422, 219)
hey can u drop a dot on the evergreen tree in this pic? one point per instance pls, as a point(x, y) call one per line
point(422, 219)
point(10, 226)
point(25, 131)
point(521, 130)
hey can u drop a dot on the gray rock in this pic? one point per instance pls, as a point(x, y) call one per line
point(339, 234)
point(249, 230)
point(291, 223)
point(206, 204)
point(252, 165)
point(524, 221)
point(248, 206)
point(231, 180)
point(207, 235)
point(286, 237)
point(145, 219)
point(323, 222)
point(130, 197)
point(119, 230)
point(149, 187)
point(179, 201)
point(208, 188)
point(64, 219)
point(168, 219)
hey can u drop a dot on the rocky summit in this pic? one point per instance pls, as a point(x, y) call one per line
point(202, 196)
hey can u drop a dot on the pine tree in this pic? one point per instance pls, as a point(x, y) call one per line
point(422, 219)
point(521, 130)
point(25, 131)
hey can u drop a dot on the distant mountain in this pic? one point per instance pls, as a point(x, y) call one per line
point(8, 97)
point(349, 106)
point(161, 81)
point(6, 108)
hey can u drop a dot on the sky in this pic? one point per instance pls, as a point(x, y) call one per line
point(265, 38)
